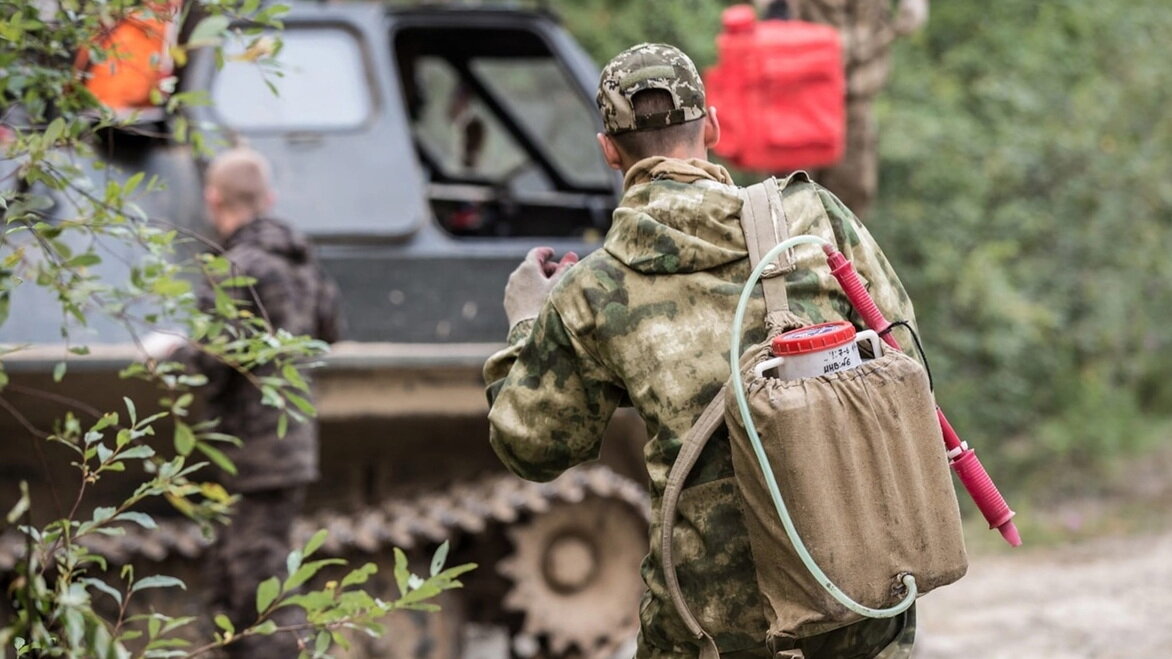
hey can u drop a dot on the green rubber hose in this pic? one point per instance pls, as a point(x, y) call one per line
point(782, 512)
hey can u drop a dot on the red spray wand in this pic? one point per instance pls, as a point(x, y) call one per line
point(963, 459)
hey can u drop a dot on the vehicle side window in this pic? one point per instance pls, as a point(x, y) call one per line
point(536, 90)
point(457, 129)
point(321, 84)
point(504, 130)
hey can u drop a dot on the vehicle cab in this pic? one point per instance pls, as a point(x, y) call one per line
point(425, 150)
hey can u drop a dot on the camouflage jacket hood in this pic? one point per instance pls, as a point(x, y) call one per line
point(677, 216)
point(271, 236)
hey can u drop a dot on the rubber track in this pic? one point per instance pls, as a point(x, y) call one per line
point(428, 519)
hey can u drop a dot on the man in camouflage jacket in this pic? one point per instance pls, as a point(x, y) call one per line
point(293, 294)
point(646, 319)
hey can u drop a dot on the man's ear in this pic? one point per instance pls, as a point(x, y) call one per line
point(711, 128)
point(610, 151)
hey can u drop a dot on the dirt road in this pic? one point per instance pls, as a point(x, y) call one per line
point(1107, 597)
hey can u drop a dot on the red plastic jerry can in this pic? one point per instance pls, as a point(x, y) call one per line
point(780, 90)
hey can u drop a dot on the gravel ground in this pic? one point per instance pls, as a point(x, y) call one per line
point(1107, 597)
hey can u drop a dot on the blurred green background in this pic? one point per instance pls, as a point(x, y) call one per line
point(1026, 200)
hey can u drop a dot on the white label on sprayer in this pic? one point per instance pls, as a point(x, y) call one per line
point(821, 362)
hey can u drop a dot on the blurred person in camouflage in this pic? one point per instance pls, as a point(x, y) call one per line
point(867, 28)
point(293, 294)
point(645, 321)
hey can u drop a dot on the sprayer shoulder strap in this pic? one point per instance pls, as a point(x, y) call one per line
point(764, 222)
point(693, 443)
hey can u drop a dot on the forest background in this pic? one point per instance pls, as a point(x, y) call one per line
point(1026, 202)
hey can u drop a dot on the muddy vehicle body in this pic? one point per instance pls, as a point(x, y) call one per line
point(425, 151)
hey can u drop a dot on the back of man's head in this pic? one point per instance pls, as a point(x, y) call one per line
point(239, 178)
point(652, 100)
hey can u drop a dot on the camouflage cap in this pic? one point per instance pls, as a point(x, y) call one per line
point(649, 66)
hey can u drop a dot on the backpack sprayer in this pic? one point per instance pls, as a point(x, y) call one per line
point(963, 459)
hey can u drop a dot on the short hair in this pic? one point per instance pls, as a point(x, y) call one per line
point(639, 144)
point(241, 176)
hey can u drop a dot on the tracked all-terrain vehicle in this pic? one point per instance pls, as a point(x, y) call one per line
point(425, 150)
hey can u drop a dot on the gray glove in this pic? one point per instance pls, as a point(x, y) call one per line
point(531, 282)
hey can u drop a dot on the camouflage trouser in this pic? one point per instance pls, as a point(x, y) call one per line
point(857, 641)
point(250, 550)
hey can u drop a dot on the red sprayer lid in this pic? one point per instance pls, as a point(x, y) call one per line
point(813, 338)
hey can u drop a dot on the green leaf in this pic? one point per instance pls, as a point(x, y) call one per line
point(132, 183)
point(292, 562)
point(224, 623)
point(59, 372)
point(322, 643)
point(209, 31)
point(308, 570)
point(217, 456)
point(142, 519)
point(221, 437)
point(184, 438)
point(22, 504)
point(170, 287)
point(315, 541)
point(402, 575)
point(83, 260)
point(282, 424)
point(183, 402)
point(301, 403)
point(54, 130)
point(105, 421)
point(157, 581)
point(103, 513)
point(129, 635)
point(359, 576)
point(425, 591)
point(176, 623)
point(339, 639)
point(453, 572)
point(104, 587)
point(266, 628)
point(140, 452)
point(238, 282)
point(131, 411)
point(266, 592)
point(294, 377)
point(437, 561)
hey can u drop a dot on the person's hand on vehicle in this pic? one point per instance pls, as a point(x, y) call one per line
point(531, 282)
